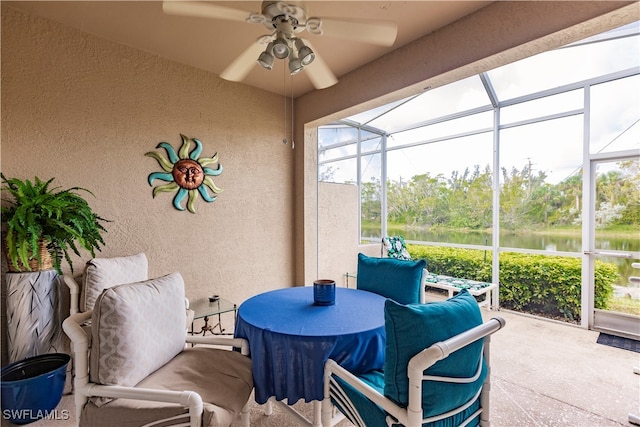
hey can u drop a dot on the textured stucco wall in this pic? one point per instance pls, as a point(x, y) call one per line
point(338, 233)
point(85, 111)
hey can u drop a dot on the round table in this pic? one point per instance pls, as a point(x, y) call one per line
point(290, 339)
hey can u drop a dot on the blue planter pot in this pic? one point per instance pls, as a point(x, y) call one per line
point(324, 292)
point(32, 388)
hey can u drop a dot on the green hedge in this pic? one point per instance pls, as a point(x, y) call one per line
point(545, 285)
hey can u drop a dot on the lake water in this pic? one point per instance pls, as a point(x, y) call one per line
point(547, 242)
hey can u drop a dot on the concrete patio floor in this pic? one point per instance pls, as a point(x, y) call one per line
point(544, 373)
point(547, 373)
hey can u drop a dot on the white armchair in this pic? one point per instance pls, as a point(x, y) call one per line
point(133, 367)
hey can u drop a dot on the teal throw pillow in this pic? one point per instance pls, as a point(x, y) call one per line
point(399, 280)
point(412, 328)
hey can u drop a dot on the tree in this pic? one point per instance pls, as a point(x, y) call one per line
point(607, 214)
point(464, 199)
point(570, 191)
point(630, 190)
point(370, 200)
point(546, 205)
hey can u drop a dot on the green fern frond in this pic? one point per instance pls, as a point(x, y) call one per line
point(62, 218)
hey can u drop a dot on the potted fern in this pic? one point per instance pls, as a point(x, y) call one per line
point(42, 224)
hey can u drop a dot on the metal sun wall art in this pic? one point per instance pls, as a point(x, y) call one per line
point(186, 173)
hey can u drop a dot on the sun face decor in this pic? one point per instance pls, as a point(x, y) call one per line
point(186, 173)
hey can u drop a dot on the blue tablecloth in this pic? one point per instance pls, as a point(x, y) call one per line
point(290, 339)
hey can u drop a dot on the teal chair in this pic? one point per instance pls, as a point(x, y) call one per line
point(436, 370)
point(402, 281)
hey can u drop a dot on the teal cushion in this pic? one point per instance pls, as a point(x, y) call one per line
point(412, 328)
point(371, 414)
point(397, 279)
point(374, 416)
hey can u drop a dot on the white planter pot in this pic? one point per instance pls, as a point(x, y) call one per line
point(33, 315)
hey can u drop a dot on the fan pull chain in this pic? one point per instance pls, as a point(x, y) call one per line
point(284, 87)
point(284, 81)
point(293, 144)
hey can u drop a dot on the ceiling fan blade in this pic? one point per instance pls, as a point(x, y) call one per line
point(382, 33)
point(319, 72)
point(203, 10)
point(241, 66)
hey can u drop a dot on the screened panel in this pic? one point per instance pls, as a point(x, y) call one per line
point(541, 184)
point(338, 153)
point(336, 143)
point(574, 63)
point(439, 102)
point(542, 107)
point(370, 142)
point(438, 148)
point(336, 135)
point(617, 209)
point(617, 205)
point(367, 116)
point(343, 171)
point(371, 196)
point(615, 115)
point(434, 189)
point(472, 123)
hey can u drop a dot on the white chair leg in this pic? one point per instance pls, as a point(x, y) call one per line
point(326, 412)
point(268, 408)
point(317, 413)
point(245, 415)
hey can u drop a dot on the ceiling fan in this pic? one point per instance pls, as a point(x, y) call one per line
point(286, 20)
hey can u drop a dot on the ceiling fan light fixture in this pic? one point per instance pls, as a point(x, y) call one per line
point(305, 53)
point(281, 47)
point(295, 65)
point(266, 58)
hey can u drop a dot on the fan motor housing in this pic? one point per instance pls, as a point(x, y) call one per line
point(277, 11)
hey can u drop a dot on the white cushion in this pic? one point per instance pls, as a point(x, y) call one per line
point(103, 273)
point(136, 329)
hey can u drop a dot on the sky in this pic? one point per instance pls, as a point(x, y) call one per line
point(551, 146)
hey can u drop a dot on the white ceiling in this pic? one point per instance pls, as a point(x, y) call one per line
point(212, 44)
